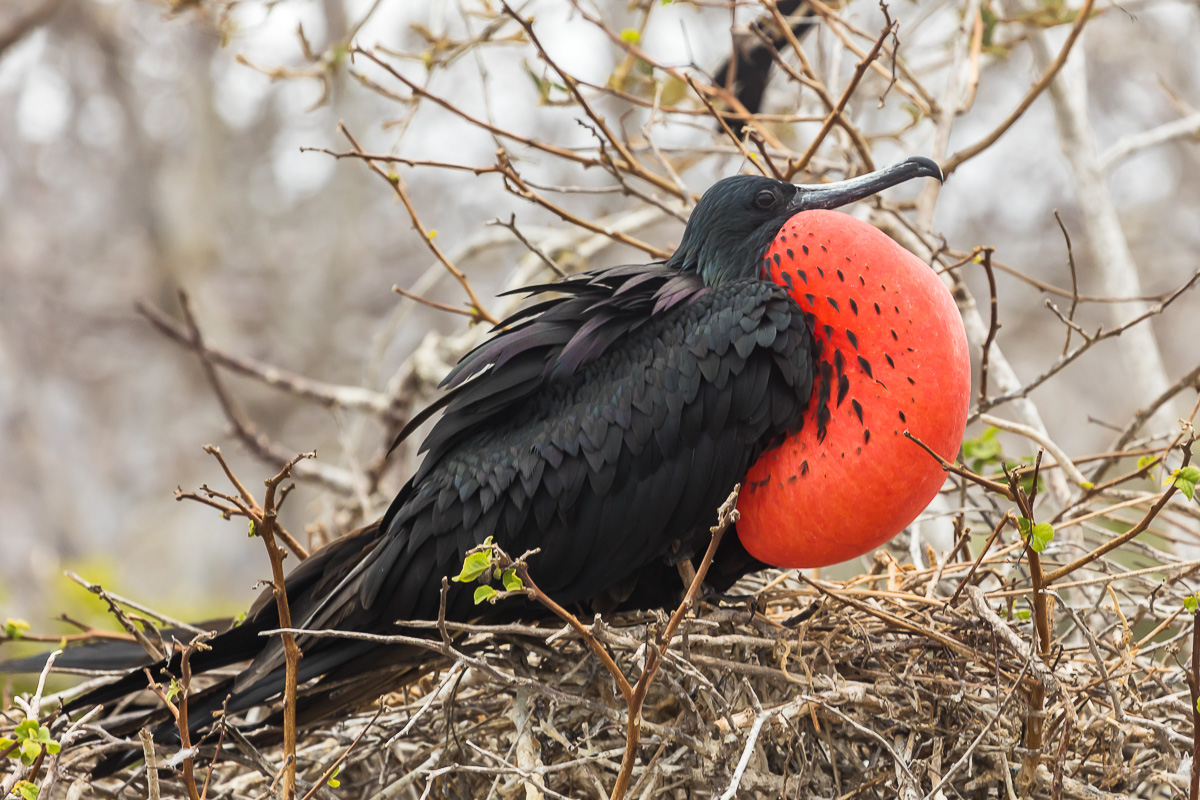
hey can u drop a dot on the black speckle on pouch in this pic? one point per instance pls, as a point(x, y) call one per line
point(833, 303)
point(857, 406)
point(853, 339)
point(866, 366)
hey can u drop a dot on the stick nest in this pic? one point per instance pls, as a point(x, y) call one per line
point(875, 687)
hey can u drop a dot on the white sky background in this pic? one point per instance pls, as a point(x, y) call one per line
point(137, 156)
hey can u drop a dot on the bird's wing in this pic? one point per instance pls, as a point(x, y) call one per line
point(604, 427)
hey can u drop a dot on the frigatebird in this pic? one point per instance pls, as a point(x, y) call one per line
point(782, 344)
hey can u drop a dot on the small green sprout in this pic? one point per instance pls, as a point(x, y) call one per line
point(1038, 536)
point(31, 739)
point(1185, 480)
point(15, 628)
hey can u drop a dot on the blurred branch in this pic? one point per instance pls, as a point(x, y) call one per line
point(1051, 70)
point(1140, 353)
point(351, 398)
point(339, 480)
point(1168, 132)
point(22, 26)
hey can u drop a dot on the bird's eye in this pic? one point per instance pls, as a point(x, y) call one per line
point(765, 199)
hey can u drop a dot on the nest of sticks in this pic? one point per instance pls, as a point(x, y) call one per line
point(916, 682)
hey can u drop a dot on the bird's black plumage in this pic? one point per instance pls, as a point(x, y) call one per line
point(603, 425)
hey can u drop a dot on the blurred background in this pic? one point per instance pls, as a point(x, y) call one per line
point(147, 149)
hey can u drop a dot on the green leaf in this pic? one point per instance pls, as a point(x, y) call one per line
point(1190, 603)
point(1021, 613)
point(30, 750)
point(983, 450)
point(630, 36)
point(26, 790)
point(5, 744)
point(1038, 536)
point(1198, 703)
point(475, 565)
point(253, 530)
point(483, 593)
point(1146, 461)
point(15, 628)
point(1186, 480)
point(511, 582)
point(173, 689)
point(333, 779)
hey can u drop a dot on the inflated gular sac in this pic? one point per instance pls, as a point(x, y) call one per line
point(893, 358)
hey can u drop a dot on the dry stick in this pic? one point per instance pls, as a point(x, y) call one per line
point(1093, 340)
point(291, 652)
point(635, 695)
point(1074, 281)
point(1190, 380)
point(962, 472)
point(243, 506)
point(1194, 685)
point(355, 398)
point(398, 186)
point(573, 87)
point(736, 107)
point(151, 763)
point(337, 762)
point(955, 161)
point(738, 143)
point(340, 481)
point(152, 649)
point(560, 152)
point(1034, 724)
point(859, 70)
point(1006, 519)
point(810, 80)
point(1129, 535)
point(985, 256)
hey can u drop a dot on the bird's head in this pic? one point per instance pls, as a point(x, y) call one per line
point(737, 218)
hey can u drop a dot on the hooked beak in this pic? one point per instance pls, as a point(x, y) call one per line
point(834, 195)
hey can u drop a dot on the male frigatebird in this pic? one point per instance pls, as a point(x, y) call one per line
point(782, 344)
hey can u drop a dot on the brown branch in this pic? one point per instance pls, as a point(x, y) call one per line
point(955, 161)
point(859, 70)
point(962, 472)
point(354, 398)
point(985, 258)
point(1074, 281)
point(23, 26)
point(266, 528)
point(1130, 534)
point(401, 190)
point(1093, 340)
